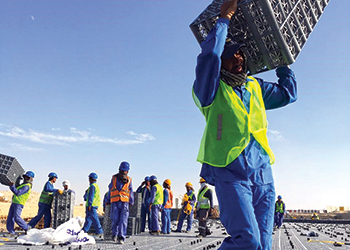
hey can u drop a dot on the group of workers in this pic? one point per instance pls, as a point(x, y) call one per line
point(21, 193)
point(155, 200)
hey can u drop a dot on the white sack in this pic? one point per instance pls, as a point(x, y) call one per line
point(69, 232)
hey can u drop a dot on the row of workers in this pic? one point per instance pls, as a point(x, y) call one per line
point(21, 193)
point(119, 197)
point(155, 200)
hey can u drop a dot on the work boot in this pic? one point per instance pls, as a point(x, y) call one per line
point(120, 241)
point(99, 237)
point(199, 236)
point(155, 233)
point(115, 239)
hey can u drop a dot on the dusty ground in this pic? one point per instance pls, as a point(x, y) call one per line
point(30, 209)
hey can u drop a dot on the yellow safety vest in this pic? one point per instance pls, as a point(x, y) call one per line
point(229, 125)
point(22, 199)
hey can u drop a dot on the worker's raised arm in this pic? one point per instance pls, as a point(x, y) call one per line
point(279, 94)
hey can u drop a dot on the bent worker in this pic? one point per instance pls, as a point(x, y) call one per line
point(156, 202)
point(280, 208)
point(45, 202)
point(66, 187)
point(121, 196)
point(204, 207)
point(166, 207)
point(187, 208)
point(145, 190)
point(93, 201)
point(19, 198)
point(234, 152)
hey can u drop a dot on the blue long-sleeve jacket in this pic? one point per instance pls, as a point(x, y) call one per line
point(146, 195)
point(252, 165)
point(49, 187)
point(90, 196)
point(153, 194)
point(20, 191)
point(166, 197)
point(119, 187)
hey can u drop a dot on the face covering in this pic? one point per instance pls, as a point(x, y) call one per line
point(235, 80)
point(202, 185)
point(123, 177)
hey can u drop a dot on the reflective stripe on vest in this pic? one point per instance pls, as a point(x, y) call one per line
point(46, 197)
point(124, 194)
point(96, 201)
point(22, 199)
point(228, 125)
point(203, 202)
point(169, 203)
point(159, 197)
point(279, 207)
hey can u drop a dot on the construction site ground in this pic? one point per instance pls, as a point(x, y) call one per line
point(292, 235)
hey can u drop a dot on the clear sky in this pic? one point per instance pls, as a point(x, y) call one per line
point(85, 85)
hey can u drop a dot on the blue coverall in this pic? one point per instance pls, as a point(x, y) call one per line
point(120, 211)
point(166, 219)
point(245, 187)
point(15, 211)
point(192, 201)
point(44, 209)
point(91, 216)
point(154, 211)
point(146, 195)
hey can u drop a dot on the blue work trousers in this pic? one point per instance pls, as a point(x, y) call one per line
point(91, 217)
point(181, 221)
point(247, 213)
point(44, 210)
point(166, 220)
point(15, 216)
point(119, 216)
point(145, 214)
point(155, 217)
point(278, 219)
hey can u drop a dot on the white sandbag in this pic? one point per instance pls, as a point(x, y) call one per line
point(67, 233)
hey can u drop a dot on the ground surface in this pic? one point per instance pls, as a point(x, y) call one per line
point(290, 236)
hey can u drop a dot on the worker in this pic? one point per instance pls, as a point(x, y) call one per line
point(121, 196)
point(93, 201)
point(204, 208)
point(234, 152)
point(315, 216)
point(106, 201)
point(166, 207)
point(187, 208)
point(45, 201)
point(145, 190)
point(66, 187)
point(19, 198)
point(156, 202)
point(280, 209)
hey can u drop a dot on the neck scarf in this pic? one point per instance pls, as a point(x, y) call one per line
point(233, 79)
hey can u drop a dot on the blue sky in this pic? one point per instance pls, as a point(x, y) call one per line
point(85, 85)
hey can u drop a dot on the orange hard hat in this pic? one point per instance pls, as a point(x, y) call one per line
point(167, 181)
point(188, 184)
point(202, 180)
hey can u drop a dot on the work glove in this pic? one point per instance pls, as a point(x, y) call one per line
point(60, 191)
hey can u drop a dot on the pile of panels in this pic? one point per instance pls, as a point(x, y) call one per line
point(274, 31)
point(10, 169)
point(62, 208)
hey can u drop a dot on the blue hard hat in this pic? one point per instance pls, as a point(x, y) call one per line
point(93, 176)
point(279, 197)
point(147, 178)
point(153, 177)
point(29, 174)
point(230, 49)
point(125, 166)
point(52, 174)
